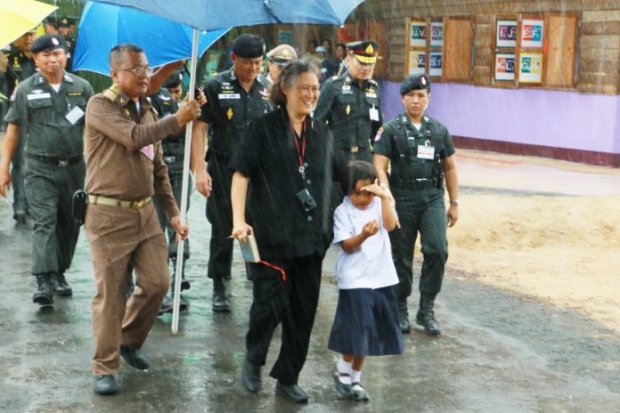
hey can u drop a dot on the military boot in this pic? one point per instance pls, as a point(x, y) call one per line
point(185, 285)
point(426, 315)
point(220, 303)
point(403, 317)
point(43, 295)
point(60, 285)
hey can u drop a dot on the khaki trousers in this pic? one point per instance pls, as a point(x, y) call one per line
point(119, 237)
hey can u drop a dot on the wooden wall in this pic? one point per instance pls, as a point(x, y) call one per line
point(598, 65)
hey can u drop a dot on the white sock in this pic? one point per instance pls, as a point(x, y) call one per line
point(356, 376)
point(344, 368)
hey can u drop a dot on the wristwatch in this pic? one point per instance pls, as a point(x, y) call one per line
point(454, 202)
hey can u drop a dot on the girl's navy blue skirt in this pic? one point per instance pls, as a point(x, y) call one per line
point(366, 323)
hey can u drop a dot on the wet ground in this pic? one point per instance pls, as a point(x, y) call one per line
point(499, 352)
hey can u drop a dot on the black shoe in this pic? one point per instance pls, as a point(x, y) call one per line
point(403, 317)
point(167, 305)
point(359, 393)
point(251, 377)
point(135, 358)
point(427, 320)
point(106, 385)
point(60, 285)
point(185, 285)
point(43, 295)
point(220, 302)
point(20, 217)
point(343, 389)
point(292, 392)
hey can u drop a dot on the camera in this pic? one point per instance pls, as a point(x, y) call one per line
point(306, 199)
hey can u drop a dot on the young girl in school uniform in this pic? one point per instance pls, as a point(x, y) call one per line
point(366, 320)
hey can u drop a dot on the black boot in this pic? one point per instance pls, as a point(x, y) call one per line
point(403, 317)
point(43, 295)
point(220, 303)
point(426, 315)
point(185, 285)
point(60, 285)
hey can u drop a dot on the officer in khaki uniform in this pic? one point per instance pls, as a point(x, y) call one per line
point(350, 105)
point(49, 109)
point(125, 170)
point(277, 58)
point(421, 154)
point(20, 66)
point(234, 99)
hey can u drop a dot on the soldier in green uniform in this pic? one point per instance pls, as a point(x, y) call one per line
point(63, 30)
point(350, 105)
point(166, 103)
point(49, 108)
point(20, 66)
point(421, 154)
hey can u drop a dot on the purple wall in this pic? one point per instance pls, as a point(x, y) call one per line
point(525, 116)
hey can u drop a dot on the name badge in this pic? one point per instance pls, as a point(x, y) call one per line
point(75, 115)
point(36, 96)
point(374, 114)
point(426, 152)
point(229, 96)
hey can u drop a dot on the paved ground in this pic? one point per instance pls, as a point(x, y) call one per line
point(499, 352)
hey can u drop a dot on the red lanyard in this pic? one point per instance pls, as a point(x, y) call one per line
point(301, 149)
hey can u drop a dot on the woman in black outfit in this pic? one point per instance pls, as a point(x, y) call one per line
point(284, 172)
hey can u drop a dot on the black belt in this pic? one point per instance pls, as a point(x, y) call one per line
point(425, 183)
point(62, 162)
point(356, 149)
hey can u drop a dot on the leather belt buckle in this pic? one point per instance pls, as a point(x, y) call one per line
point(138, 204)
point(355, 149)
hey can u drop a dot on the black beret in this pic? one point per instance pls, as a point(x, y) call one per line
point(249, 46)
point(415, 82)
point(365, 50)
point(48, 42)
point(173, 80)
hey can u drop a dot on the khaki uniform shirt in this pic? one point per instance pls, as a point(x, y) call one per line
point(123, 150)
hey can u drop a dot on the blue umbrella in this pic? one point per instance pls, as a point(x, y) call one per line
point(217, 14)
point(103, 26)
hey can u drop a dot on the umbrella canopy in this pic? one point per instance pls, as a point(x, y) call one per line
point(18, 17)
point(103, 26)
point(216, 14)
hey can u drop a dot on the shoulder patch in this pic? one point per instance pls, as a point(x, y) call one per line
point(378, 135)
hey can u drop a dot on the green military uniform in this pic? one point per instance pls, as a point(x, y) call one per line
point(352, 112)
point(416, 181)
point(52, 123)
point(20, 67)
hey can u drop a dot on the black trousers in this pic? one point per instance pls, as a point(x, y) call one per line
point(219, 214)
point(293, 303)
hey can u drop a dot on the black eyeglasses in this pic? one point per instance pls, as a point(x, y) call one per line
point(140, 70)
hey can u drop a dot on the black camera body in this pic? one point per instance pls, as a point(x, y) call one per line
point(306, 200)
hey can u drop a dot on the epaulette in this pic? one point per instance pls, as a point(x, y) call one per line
point(112, 92)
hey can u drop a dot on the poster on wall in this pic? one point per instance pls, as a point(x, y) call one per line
point(436, 34)
point(506, 33)
point(530, 67)
point(504, 66)
point(285, 37)
point(531, 33)
point(417, 62)
point(418, 34)
point(435, 64)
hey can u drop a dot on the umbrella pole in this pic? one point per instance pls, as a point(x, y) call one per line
point(184, 193)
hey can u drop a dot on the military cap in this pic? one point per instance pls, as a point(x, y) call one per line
point(173, 80)
point(320, 49)
point(415, 82)
point(63, 22)
point(249, 46)
point(282, 54)
point(365, 50)
point(48, 42)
